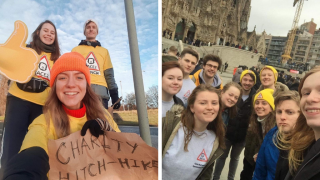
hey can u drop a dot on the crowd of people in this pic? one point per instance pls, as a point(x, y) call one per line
point(197, 42)
point(271, 116)
point(67, 93)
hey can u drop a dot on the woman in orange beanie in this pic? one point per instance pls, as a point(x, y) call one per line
point(25, 100)
point(71, 104)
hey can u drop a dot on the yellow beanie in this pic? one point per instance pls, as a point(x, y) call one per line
point(248, 72)
point(267, 95)
point(275, 72)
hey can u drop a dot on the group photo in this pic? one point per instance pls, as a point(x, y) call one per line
point(240, 98)
point(159, 89)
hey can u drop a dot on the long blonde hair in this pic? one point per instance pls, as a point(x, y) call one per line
point(54, 111)
point(301, 137)
point(187, 117)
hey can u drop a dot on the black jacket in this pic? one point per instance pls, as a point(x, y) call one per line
point(280, 79)
point(308, 170)
point(238, 126)
point(282, 170)
point(294, 87)
point(177, 100)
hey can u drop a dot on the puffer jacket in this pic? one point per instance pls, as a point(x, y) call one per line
point(267, 157)
point(197, 78)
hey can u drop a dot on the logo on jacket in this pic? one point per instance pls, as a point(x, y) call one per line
point(43, 70)
point(203, 156)
point(187, 94)
point(93, 64)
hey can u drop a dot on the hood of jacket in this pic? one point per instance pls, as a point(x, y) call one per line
point(239, 71)
point(279, 88)
point(216, 79)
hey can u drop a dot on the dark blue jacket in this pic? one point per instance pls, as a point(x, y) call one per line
point(267, 158)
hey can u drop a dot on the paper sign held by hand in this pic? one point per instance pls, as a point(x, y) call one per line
point(17, 62)
point(115, 156)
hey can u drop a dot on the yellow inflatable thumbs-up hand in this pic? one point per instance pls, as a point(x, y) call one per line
point(17, 62)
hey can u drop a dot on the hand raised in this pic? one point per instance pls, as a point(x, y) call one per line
point(17, 62)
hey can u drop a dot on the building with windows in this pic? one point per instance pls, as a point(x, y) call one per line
point(314, 52)
point(267, 40)
point(310, 27)
point(301, 46)
point(276, 48)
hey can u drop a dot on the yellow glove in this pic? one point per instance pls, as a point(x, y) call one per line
point(17, 62)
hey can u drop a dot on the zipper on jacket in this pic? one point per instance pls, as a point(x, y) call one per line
point(306, 164)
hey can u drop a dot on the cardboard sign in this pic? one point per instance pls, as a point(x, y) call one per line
point(111, 156)
point(17, 62)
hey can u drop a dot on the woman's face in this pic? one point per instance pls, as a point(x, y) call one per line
point(71, 87)
point(230, 97)
point(310, 100)
point(172, 81)
point(47, 34)
point(262, 108)
point(205, 107)
point(287, 113)
point(267, 78)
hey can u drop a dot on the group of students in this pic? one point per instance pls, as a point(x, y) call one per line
point(68, 93)
point(278, 132)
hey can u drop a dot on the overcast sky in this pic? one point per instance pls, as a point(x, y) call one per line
point(276, 16)
point(69, 17)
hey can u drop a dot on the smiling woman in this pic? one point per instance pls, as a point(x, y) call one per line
point(172, 76)
point(71, 106)
point(303, 143)
point(261, 121)
point(192, 143)
point(28, 98)
point(71, 88)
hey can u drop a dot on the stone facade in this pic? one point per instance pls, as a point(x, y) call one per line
point(261, 43)
point(214, 21)
point(233, 56)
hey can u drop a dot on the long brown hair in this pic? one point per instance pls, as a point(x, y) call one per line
point(36, 43)
point(54, 111)
point(255, 126)
point(170, 65)
point(301, 137)
point(187, 117)
point(233, 110)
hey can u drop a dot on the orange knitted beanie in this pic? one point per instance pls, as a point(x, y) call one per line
point(72, 61)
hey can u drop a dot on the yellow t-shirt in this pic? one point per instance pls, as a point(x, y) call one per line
point(43, 73)
point(98, 60)
point(38, 136)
